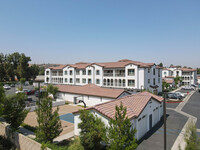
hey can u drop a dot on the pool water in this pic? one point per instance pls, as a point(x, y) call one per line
point(67, 117)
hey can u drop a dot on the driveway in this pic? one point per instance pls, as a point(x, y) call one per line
point(154, 140)
point(193, 107)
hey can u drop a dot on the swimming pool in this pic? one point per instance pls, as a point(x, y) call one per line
point(67, 117)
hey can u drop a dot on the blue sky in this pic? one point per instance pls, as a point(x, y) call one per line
point(69, 31)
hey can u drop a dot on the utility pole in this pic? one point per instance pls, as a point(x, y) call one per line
point(164, 118)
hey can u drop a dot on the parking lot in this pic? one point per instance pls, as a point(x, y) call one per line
point(154, 140)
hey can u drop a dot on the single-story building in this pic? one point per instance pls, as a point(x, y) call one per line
point(143, 109)
point(91, 94)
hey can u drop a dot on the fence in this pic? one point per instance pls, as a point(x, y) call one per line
point(21, 142)
point(58, 102)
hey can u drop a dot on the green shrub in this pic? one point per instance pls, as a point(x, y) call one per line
point(6, 144)
point(31, 128)
point(76, 145)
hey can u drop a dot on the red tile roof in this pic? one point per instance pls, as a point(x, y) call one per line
point(118, 64)
point(169, 81)
point(123, 63)
point(92, 90)
point(134, 103)
point(188, 69)
point(60, 67)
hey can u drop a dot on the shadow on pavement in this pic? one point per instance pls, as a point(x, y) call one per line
point(153, 130)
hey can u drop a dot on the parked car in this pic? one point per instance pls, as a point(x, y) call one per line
point(188, 88)
point(41, 93)
point(12, 85)
point(19, 92)
point(30, 92)
point(193, 85)
point(174, 96)
point(6, 87)
point(182, 94)
point(29, 99)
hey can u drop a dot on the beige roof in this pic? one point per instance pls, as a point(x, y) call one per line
point(134, 103)
point(92, 90)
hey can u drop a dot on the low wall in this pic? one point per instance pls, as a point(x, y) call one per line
point(21, 142)
point(58, 102)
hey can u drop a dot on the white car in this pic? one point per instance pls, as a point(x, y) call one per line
point(188, 88)
point(19, 92)
point(182, 94)
point(6, 87)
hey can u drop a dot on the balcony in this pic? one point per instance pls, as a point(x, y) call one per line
point(108, 74)
point(120, 74)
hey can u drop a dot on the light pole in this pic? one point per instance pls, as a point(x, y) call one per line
point(165, 125)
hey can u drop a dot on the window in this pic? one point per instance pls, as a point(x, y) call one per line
point(158, 80)
point(83, 80)
point(131, 72)
point(89, 72)
point(71, 73)
point(149, 81)
point(71, 80)
point(77, 80)
point(97, 72)
point(165, 73)
point(66, 80)
point(77, 72)
point(154, 71)
point(97, 81)
point(148, 70)
point(84, 72)
point(131, 82)
point(65, 72)
point(154, 81)
point(47, 72)
point(89, 81)
point(158, 72)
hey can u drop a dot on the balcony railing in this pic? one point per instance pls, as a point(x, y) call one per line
point(120, 74)
point(108, 74)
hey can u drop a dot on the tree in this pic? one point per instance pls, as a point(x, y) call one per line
point(2, 99)
point(198, 70)
point(161, 65)
point(22, 81)
point(14, 111)
point(52, 90)
point(121, 134)
point(165, 86)
point(33, 71)
point(177, 80)
point(49, 121)
point(22, 68)
point(93, 130)
point(41, 70)
point(191, 138)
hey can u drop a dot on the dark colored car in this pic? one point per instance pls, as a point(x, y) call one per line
point(174, 96)
point(12, 85)
point(30, 92)
point(41, 93)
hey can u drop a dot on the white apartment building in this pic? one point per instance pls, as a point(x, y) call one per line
point(188, 75)
point(126, 74)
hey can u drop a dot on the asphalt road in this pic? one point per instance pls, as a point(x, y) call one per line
point(193, 107)
point(154, 140)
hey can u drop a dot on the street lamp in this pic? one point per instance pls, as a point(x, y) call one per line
point(164, 119)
